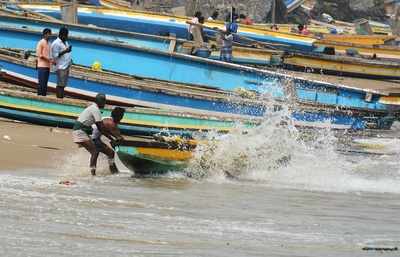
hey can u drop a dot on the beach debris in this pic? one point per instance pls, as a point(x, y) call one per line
point(6, 137)
point(67, 183)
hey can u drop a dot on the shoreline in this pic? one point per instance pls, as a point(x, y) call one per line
point(24, 145)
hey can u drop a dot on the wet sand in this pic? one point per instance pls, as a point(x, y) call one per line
point(25, 146)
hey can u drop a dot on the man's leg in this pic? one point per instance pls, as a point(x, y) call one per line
point(94, 154)
point(109, 152)
point(62, 80)
point(41, 81)
point(47, 74)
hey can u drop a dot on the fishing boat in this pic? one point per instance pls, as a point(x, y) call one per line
point(164, 24)
point(376, 51)
point(23, 105)
point(350, 28)
point(128, 90)
point(316, 102)
point(154, 64)
point(343, 65)
point(369, 40)
point(152, 157)
point(344, 35)
point(241, 55)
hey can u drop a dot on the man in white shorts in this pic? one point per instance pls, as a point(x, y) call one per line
point(83, 129)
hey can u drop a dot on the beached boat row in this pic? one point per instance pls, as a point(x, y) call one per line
point(364, 47)
point(339, 64)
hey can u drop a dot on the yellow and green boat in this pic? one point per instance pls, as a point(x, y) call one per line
point(152, 157)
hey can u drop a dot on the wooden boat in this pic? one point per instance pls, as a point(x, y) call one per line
point(350, 28)
point(163, 24)
point(241, 55)
point(369, 40)
point(50, 111)
point(151, 157)
point(133, 91)
point(343, 65)
point(316, 102)
point(376, 51)
point(345, 35)
point(154, 64)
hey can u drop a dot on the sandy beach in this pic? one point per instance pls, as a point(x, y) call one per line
point(24, 145)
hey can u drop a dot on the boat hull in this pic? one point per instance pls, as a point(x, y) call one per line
point(153, 161)
point(386, 52)
point(353, 67)
point(144, 122)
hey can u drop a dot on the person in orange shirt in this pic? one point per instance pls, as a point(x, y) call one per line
point(43, 62)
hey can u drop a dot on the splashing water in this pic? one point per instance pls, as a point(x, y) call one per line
point(277, 154)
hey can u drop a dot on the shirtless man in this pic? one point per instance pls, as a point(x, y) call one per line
point(111, 129)
point(82, 130)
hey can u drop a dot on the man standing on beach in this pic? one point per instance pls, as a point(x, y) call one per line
point(83, 129)
point(61, 53)
point(43, 62)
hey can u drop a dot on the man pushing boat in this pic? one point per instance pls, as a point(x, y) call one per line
point(83, 129)
point(110, 125)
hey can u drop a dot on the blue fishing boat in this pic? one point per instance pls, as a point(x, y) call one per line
point(133, 91)
point(241, 55)
point(163, 24)
point(337, 108)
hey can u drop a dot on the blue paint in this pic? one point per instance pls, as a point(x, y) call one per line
point(147, 96)
point(163, 28)
point(356, 123)
point(147, 64)
point(135, 39)
point(138, 40)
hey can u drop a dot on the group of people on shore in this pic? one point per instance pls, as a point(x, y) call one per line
point(56, 54)
point(90, 126)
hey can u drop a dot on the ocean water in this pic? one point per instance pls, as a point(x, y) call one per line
point(292, 194)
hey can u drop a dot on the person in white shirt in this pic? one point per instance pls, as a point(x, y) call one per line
point(61, 54)
point(83, 130)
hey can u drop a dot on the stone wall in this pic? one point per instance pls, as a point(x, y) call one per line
point(256, 9)
point(350, 10)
